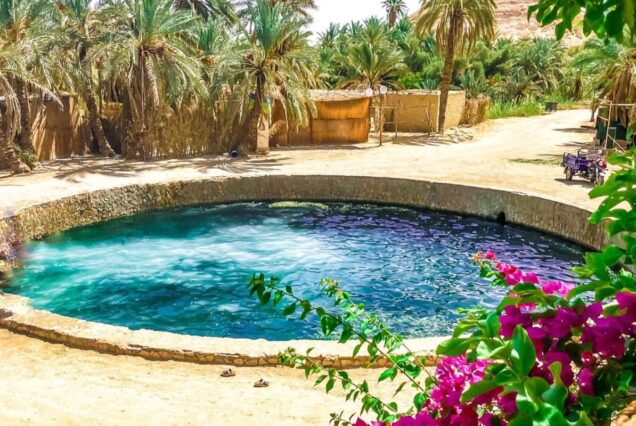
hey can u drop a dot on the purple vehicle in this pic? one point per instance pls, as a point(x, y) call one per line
point(587, 163)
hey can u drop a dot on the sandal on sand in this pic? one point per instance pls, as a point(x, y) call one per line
point(261, 384)
point(228, 373)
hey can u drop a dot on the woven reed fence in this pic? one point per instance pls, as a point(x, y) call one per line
point(188, 132)
point(341, 117)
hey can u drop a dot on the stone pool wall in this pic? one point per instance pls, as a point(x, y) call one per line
point(547, 215)
point(38, 221)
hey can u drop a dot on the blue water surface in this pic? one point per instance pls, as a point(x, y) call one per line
point(186, 270)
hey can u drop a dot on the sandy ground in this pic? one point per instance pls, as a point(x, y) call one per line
point(47, 384)
point(42, 383)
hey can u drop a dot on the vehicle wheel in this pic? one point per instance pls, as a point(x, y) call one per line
point(569, 173)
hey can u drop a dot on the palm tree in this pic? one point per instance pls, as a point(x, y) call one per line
point(273, 62)
point(371, 65)
point(457, 24)
point(599, 59)
point(21, 23)
point(542, 60)
point(210, 9)
point(301, 7)
point(149, 50)
point(78, 23)
point(394, 10)
point(14, 65)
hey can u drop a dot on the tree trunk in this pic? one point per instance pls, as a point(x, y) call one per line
point(249, 143)
point(95, 121)
point(447, 74)
point(9, 156)
point(25, 136)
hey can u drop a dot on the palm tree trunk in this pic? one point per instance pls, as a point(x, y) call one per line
point(95, 121)
point(447, 73)
point(25, 137)
point(9, 156)
point(251, 134)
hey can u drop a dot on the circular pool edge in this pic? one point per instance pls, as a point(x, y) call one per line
point(37, 221)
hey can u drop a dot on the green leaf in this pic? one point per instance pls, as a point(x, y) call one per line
point(390, 373)
point(454, 347)
point(611, 255)
point(330, 385)
point(419, 400)
point(557, 394)
point(346, 334)
point(289, 310)
point(625, 380)
point(523, 356)
point(328, 324)
point(478, 389)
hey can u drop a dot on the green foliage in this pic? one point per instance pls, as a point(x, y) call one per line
point(504, 109)
point(605, 18)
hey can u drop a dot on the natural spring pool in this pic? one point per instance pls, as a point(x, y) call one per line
point(186, 270)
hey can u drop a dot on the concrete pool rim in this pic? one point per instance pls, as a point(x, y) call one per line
point(40, 220)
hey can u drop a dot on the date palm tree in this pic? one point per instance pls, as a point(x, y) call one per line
point(210, 9)
point(301, 7)
point(149, 50)
point(395, 9)
point(77, 24)
point(273, 62)
point(457, 25)
point(14, 65)
point(21, 22)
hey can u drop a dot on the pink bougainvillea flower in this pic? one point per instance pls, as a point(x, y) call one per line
point(627, 303)
point(592, 312)
point(511, 318)
point(538, 337)
point(514, 278)
point(561, 324)
point(585, 380)
point(606, 336)
point(559, 288)
point(530, 277)
point(490, 255)
point(488, 419)
point(508, 404)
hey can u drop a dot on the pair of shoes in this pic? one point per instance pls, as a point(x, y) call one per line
point(261, 383)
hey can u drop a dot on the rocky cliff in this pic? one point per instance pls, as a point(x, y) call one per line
point(512, 22)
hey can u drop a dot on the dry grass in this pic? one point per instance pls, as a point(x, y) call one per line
point(476, 110)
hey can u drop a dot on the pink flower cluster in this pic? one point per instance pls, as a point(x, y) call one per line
point(596, 336)
point(444, 407)
point(513, 276)
point(603, 336)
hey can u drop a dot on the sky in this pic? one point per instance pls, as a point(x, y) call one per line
point(345, 11)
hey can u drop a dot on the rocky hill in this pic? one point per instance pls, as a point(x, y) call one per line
point(512, 22)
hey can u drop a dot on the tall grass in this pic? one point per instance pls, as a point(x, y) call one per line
point(503, 109)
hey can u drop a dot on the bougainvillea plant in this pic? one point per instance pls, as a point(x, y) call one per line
point(552, 353)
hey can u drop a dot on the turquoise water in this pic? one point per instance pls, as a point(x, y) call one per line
point(186, 270)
